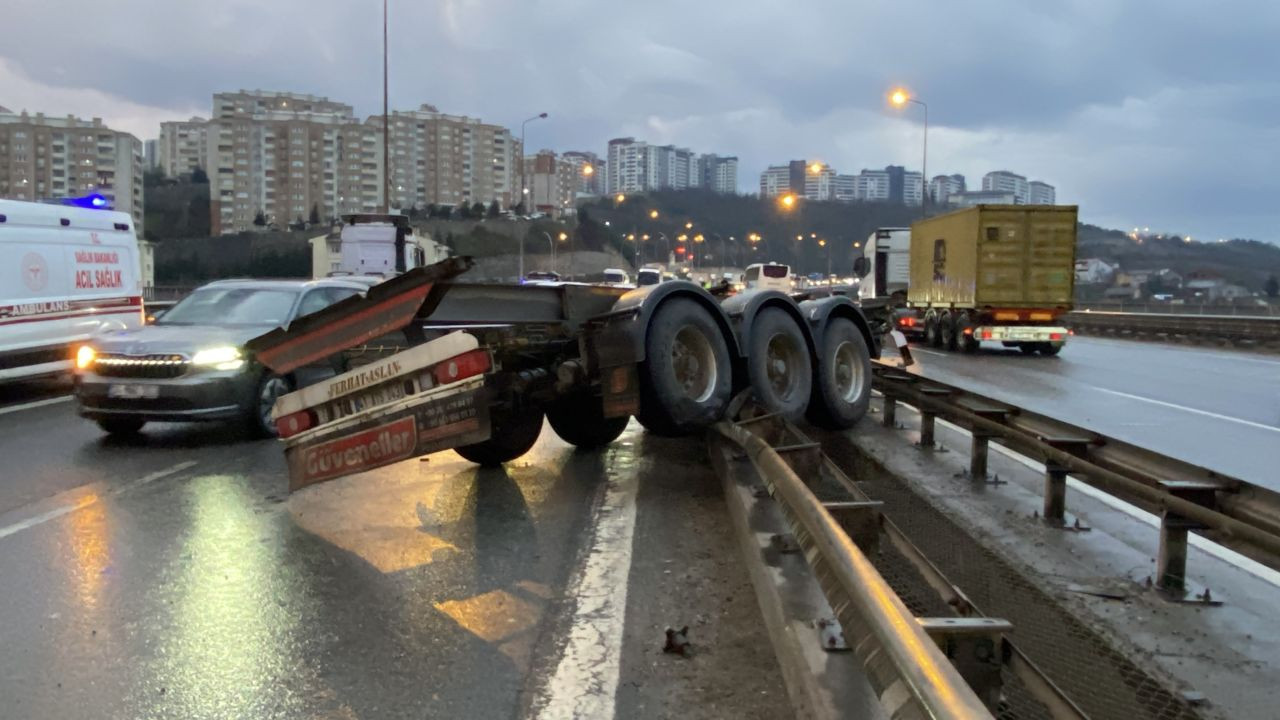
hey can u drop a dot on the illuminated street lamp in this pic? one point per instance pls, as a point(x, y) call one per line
point(787, 201)
point(900, 97)
point(588, 170)
point(653, 214)
point(688, 226)
point(619, 198)
point(563, 236)
point(816, 167)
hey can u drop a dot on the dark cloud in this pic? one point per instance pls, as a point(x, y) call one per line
point(1144, 112)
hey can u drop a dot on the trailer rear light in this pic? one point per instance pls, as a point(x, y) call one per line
point(1007, 316)
point(1041, 316)
point(906, 321)
point(461, 367)
point(292, 424)
point(1057, 337)
point(1071, 332)
point(986, 334)
point(968, 331)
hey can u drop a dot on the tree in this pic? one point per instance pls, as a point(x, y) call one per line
point(431, 210)
point(152, 177)
point(1272, 287)
point(315, 214)
point(495, 209)
point(199, 176)
point(260, 219)
point(298, 224)
point(477, 210)
point(464, 211)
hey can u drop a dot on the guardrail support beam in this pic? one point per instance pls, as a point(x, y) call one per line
point(926, 429)
point(890, 411)
point(1171, 562)
point(975, 647)
point(978, 456)
point(1055, 493)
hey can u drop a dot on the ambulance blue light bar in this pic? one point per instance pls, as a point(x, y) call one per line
point(92, 201)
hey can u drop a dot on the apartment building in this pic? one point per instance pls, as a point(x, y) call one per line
point(1005, 181)
point(719, 174)
point(552, 182)
point(844, 188)
point(1039, 193)
point(442, 159)
point(183, 146)
point(589, 170)
point(942, 187)
point(50, 158)
point(819, 182)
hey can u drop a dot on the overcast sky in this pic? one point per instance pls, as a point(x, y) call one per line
point(1162, 113)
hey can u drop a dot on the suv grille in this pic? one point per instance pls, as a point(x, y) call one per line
point(141, 366)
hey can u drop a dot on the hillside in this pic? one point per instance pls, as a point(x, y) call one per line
point(1243, 262)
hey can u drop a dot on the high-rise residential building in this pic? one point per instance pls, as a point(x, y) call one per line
point(50, 158)
point(444, 159)
point(872, 186)
point(290, 157)
point(1005, 181)
point(1040, 193)
point(970, 198)
point(943, 186)
point(912, 188)
point(590, 181)
point(719, 174)
point(636, 166)
point(844, 188)
point(894, 184)
point(819, 182)
point(552, 182)
point(150, 154)
point(775, 181)
point(183, 146)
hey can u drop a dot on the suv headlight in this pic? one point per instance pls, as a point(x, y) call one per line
point(85, 357)
point(219, 358)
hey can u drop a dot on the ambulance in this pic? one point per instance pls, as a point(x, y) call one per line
point(68, 273)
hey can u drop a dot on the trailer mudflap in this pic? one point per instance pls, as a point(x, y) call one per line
point(620, 391)
point(389, 306)
point(452, 420)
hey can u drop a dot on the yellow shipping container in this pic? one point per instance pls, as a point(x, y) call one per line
point(994, 256)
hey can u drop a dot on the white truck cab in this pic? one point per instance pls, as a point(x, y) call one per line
point(888, 263)
point(767, 276)
point(66, 274)
point(376, 244)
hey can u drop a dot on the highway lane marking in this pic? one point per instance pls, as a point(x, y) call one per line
point(35, 404)
point(585, 682)
point(1206, 413)
point(1227, 555)
point(88, 500)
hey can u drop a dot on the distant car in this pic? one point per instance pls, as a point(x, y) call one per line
point(648, 276)
point(614, 276)
point(191, 365)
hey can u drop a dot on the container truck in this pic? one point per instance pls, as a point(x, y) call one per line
point(435, 363)
point(995, 273)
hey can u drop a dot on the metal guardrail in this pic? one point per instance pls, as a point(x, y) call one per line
point(1272, 310)
point(904, 665)
point(1249, 329)
point(1188, 498)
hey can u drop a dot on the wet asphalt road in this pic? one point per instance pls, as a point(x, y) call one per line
point(1216, 408)
point(170, 577)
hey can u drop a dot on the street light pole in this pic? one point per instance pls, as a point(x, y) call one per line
point(539, 116)
point(900, 97)
point(386, 125)
point(552, 243)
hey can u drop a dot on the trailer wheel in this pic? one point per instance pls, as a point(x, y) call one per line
point(778, 364)
point(1027, 348)
point(579, 420)
point(947, 331)
point(842, 389)
point(513, 433)
point(966, 341)
point(686, 379)
point(932, 337)
point(1050, 349)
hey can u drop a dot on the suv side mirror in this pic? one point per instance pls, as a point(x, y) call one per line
point(861, 266)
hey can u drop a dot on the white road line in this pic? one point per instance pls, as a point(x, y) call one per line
point(585, 682)
point(1231, 557)
point(1206, 413)
point(88, 500)
point(34, 404)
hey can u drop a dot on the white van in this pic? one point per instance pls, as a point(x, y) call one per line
point(771, 276)
point(66, 274)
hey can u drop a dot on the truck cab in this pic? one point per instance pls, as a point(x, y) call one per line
point(767, 276)
point(888, 253)
point(377, 244)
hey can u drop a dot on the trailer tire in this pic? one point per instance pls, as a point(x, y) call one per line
point(513, 433)
point(932, 337)
point(1027, 348)
point(779, 366)
point(947, 331)
point(1049, 349)
point(686, 379)
point(579, 420)
point(967, 342)
point(842, 388)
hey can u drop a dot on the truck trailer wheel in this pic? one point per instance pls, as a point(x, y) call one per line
point(947, 330)
point(579, 420)
point(778, 364)
point(686, 379)
point(1049, 349)
point(513, 433)
point(842, 389)
point(932, 336)
point(966, 341)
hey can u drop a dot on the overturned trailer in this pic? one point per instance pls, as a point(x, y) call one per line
point(433, 363)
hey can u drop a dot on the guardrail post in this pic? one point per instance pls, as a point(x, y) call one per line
point(978, 456)
point(975, 647)
point(1171, 563)
point(1055, 493)
point(890, 411)
point(926, 428)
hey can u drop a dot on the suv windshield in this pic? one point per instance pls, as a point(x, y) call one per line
point(231, 306)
